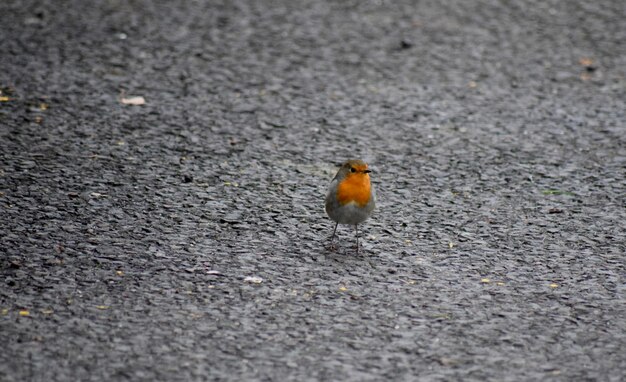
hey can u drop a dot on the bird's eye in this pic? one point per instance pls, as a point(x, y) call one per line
point(352, 169)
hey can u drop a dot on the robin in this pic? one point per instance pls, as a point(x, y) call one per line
point(351, 197)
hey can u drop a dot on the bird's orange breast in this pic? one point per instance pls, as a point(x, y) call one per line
point(354, 188)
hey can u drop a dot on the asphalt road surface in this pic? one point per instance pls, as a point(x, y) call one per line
point(181, 236)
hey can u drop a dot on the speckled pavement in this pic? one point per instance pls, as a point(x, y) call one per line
point(185, 239)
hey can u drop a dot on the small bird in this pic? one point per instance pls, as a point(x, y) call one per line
point(351, 197)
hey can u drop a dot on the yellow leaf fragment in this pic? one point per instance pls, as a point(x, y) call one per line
point(4, 99)
point(451, 245)
point(253, 279)
point(445, 316)
point(343, 288)
point(448, 361)
point(499, 283)
point(4, 312)
point(103, 307)
point(24, 313)
point(119, 273)
point(134, 101)
point(485, 280)
point(553, 285)
point(43, 106)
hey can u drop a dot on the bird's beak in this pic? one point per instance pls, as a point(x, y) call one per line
point(367, 171)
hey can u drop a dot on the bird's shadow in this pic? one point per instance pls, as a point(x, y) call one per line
point(346, 254)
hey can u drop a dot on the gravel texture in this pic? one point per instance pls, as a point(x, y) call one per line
point(185, 239)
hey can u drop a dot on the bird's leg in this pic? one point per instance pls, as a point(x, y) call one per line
point(356, 229)
point(332, 245)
